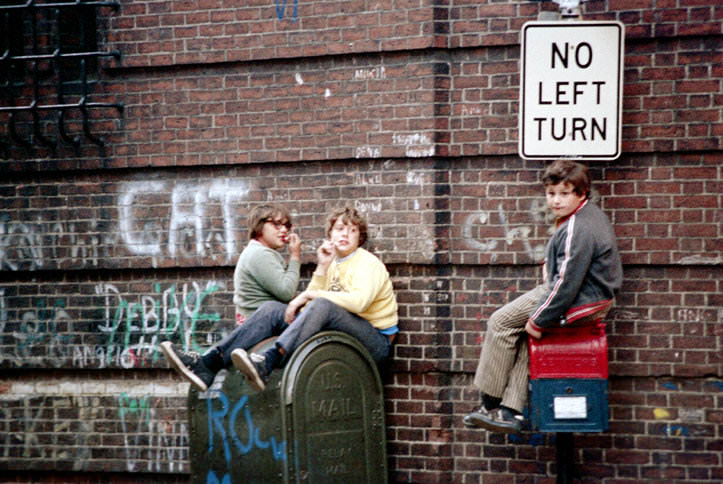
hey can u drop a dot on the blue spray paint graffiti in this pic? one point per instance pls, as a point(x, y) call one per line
point(212, 478)
point(281, 8)
point(254, 440)
point(40, 328)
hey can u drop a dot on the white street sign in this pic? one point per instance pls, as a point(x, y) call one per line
point(571, 90)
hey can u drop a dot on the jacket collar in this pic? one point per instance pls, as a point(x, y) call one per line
point(562, 220)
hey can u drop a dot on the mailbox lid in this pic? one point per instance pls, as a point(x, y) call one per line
point(569, 405)
point(570, 352)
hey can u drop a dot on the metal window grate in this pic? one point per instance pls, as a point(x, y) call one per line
point(48, 68)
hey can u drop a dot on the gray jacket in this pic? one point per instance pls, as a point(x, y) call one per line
point(583, 268)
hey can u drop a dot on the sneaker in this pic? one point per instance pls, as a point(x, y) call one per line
point(189, 364)
point(253, 367)
point(475, 418)
point(500, 419)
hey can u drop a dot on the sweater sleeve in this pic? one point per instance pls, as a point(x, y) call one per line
point(276, 279)
point(573, 255)
point(262, 275)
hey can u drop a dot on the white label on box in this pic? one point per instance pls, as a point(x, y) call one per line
point(570, 407)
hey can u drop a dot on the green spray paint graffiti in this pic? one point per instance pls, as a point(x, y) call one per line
point(135, 328)
point(111, 330)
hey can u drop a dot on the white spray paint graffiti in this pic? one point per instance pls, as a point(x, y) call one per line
point(415, 178)
point(37, 340)
point(370, 73)
point(23, 242)
point(188, 233)
point(146, 239)
point(133, 327)
point(32, 433)
point(154, 219)
point(367, 151)
point(136, 328)
point(152, 441)
point(522, 233)
point(31, 245)
point(161, 444)
point(418, 145)
point(473, 219)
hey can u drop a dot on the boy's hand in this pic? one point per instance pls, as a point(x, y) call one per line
point(295, 306)
point(324, 255)
point(532, 331)
point(294, 246)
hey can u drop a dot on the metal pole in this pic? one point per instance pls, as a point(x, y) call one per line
point(564, 447)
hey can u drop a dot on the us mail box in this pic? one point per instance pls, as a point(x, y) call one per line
point(320, 420)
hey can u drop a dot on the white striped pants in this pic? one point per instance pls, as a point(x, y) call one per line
point(503, 370)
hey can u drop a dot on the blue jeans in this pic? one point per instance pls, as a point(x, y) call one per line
point(265, 322)
point(322, 314)
point(319, 315)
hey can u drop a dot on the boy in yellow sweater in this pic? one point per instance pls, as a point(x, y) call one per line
point(350, 291)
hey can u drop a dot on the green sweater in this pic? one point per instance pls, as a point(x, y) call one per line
point(262, 275)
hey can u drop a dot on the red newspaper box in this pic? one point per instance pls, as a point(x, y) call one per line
point(568, 379)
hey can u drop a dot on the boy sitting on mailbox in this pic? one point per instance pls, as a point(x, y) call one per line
point(350, 291)
point(261, 274)
point(581, 273)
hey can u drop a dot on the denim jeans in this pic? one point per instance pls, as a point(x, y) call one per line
point(265, 322)
point(322, 314)
point(319, 315)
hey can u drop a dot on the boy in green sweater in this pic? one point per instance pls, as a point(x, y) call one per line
point(261, 273)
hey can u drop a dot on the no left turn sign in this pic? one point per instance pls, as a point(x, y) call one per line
point(571, 90)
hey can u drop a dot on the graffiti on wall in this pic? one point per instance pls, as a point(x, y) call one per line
point(153, 439)
point(131, 327)
point(151, 442)
point(522, 233)
point(154, 219)
point(143, 209)
point(281, 9)
point(27, 427)
point(33, 245)
point(135, 328)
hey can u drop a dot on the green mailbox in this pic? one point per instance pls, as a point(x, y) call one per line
point(320, 420)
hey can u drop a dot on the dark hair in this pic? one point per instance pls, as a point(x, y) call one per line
point(568, 171)
point(261, 214)
point(349, 215)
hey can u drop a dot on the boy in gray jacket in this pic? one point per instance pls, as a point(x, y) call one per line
point(582, 271)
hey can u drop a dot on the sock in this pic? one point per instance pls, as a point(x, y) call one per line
point(273, 358)
point(490, 402)
point(511, 410)
point(213, 360)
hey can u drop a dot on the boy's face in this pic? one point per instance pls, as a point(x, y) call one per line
point(562, 199)
point(344, 236)
point(275, 232)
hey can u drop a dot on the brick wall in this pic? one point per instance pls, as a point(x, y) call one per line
point(410, 110)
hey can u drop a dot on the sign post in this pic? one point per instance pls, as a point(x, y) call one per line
point(571, 90)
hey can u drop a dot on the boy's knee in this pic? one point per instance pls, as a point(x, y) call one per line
point(271, 306)
point(320, 305)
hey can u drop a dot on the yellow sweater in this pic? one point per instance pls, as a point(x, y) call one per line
point(360, 284)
